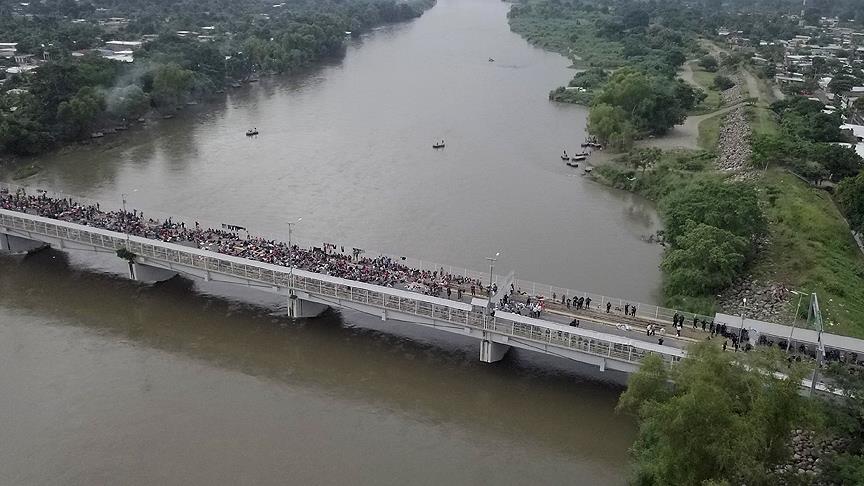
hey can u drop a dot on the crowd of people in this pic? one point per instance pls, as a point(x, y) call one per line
point(328, 260)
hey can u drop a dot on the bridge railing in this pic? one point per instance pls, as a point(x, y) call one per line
point(328, 287)
point(301, 240)
point(598, 303)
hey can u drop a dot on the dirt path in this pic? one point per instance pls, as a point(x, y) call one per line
point(685, 135)
point(752, 84)
point(686, 73)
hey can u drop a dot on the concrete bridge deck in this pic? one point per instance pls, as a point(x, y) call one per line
point(310, 293)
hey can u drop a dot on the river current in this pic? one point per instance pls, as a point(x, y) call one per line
point(105, 381)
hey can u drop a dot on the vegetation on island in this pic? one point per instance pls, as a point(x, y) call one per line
point(69, 97)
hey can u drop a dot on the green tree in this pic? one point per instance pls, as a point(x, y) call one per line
point(733, 207)
point(845, 419)
point(839, 161)
point(81, 112)
point(722, 83)
point(171, 85)
point(610, 125)
point(704, 259)
point(850, 197)
point(128, 102)
point(725, 420)
point(708, 63)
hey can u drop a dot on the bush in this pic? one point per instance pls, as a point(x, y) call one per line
point(708, 63)
point(722, 83)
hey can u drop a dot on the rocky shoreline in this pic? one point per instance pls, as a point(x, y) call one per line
point(805, 465)
point(766, 301)
point(733, 144)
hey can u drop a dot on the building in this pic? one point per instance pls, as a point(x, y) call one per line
point(122, 46)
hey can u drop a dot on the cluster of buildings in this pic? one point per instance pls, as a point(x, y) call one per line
point(13, 61)
point(807, 63)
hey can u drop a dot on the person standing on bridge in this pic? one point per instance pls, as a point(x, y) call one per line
point(587, 302)
point(449, 292)
point(608, 307)
point(473, 291)
point(695, 321)
point(626, 309)
point(568, 304)
point(633, 310)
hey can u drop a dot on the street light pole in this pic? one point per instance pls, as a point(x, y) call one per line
point(125, 219)
point(290, 228)
point(291, 259)
point(492, 261)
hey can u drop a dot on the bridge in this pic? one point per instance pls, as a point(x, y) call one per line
point(606, 340)
point(308, 294)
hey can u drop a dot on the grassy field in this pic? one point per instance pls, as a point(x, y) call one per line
point(811, 250)
point(709, 132)
point(762, 121)
point(705, 80)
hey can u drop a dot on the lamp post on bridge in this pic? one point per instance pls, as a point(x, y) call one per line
point(492, 261)
point(123, 196)
point(291, 257)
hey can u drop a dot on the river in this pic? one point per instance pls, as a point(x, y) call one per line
point(187, 384)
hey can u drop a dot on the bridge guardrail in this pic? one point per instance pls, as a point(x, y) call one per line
point(598, 302)
point(296, 239)
point(325, 286)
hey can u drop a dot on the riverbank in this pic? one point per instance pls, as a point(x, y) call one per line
point(85, 96)
point(806, 248)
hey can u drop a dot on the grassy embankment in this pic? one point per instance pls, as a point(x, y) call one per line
point(810, 248)
point(705, 80)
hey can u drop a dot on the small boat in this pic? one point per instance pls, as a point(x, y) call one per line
point(97, 135)
point(251, 132)
point(491, 60)
point(578, 158)
point(588, 170)
point(592, 145)
point(565, 157)
point(582, 154)
point(573, 164)
point(438, 145)
point(235, 85)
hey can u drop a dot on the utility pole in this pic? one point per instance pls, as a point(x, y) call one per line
point(492, 261)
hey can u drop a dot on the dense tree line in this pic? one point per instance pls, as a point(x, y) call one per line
point(807, 142)
point(68, 97)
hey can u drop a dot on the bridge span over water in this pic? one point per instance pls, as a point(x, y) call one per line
point(308, 294)
point(609, 340)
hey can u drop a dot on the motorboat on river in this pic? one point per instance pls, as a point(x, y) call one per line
point(438, 145)
point(251, 132)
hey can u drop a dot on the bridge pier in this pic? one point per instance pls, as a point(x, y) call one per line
point(301, 309)
point(150, 274)
point(491, 352)
point(17, 245)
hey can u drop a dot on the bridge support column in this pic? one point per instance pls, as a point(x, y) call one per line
point(16, 244)
point(299, 308)
point(149, 274)
point(491, 352)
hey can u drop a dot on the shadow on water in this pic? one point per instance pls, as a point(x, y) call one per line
point(427, 376)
